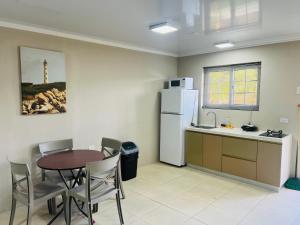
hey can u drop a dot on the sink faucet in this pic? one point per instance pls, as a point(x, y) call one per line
point(215, 117)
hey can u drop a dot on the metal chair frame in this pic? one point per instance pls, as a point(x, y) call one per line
point(29, 194)
point(52, 147)
point(110, 146)
point(102, 182)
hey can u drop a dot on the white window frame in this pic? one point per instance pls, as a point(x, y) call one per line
point(231, 106)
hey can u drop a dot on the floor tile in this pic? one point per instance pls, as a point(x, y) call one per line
point(138, 205)
point(188, 203)
point(215, 216)
point(193, 222)
point(138, 221)
point(239, 201)
point(164, 216)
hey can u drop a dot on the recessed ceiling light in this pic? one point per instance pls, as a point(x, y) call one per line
point(226, 44)
point(163, 28)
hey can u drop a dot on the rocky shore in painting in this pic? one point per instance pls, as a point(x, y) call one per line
point(43, 98)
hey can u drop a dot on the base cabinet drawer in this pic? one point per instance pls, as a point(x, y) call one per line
point(239, 167)
point(240, 148)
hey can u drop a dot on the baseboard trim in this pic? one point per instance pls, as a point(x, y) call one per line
point(241, 179)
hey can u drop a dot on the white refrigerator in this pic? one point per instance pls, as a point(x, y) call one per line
point(179, 108)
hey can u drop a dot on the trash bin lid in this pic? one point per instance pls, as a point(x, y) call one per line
point(129, 148)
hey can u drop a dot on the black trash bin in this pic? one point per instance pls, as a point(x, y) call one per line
point(129, 160)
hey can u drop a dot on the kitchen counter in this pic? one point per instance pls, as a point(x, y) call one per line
point(239, 133)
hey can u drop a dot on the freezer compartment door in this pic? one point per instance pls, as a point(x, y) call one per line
point(172, 101)
point(172, 139)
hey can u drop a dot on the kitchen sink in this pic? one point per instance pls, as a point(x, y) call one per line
point(205, 127)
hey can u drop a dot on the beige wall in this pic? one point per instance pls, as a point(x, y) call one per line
point(280, 75)
point(111, 92)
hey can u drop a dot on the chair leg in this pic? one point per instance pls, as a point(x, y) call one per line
point(89, 212)
point(50, 207)
point(53, 204)
point(118, 199)
point(95, 208)
point(69, 210)
point(65, 202)
point(29, 214)
point(13, 211)
point(120, 181)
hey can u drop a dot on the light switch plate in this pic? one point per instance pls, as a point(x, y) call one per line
point(284, 120)
point(298, 90)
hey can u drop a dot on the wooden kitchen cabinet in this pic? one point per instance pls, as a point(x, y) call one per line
point(240, 148)
point(239, 167)
point(193, 148)
point(269, 163)
point(212, 152)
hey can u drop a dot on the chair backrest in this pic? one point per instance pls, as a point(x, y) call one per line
point(21, 180)
point(55, 146)
point(110, 145)
point(102, 171)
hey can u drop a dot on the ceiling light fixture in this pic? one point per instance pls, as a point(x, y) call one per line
point(226, 44)
point(163, 28)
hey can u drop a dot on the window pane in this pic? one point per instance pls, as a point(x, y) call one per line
point(239, 87)
point(213, 98)
point(214, 87)
point(251, 99)
point(239, 75)
point(252, 74)
point(224, 98)
point(239, 99)
point(218, 87)
point(251, 86)
point(219, 76)
point(218, 99)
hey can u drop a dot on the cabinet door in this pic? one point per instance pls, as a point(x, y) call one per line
point(269, 163)
point(240, 148)
point(193, 148)
point(239, 167)
point(212, 152)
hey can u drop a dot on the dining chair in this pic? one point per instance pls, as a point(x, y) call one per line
point(102, 183)
point(30, 194)
point(52, 147)
point(109, 147)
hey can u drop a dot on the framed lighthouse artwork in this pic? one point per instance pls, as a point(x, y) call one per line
point(43, 81)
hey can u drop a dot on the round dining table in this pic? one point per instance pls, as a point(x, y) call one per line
point(69, 160)
point(73, 161)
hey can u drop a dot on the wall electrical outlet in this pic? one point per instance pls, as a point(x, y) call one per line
point(92, 147)
point(298, 90)
point(284, 120)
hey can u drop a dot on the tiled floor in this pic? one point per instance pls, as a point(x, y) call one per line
point(165, 195)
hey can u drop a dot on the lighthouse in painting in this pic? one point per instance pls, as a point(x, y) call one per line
point(45, 72)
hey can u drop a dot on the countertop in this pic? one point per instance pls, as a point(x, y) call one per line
point(238, 132)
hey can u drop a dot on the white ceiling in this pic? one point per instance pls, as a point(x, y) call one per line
point(126, 22)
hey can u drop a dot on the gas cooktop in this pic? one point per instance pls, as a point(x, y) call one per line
point(274, 134)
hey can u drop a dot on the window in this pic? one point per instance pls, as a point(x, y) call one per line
point(232, 87)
